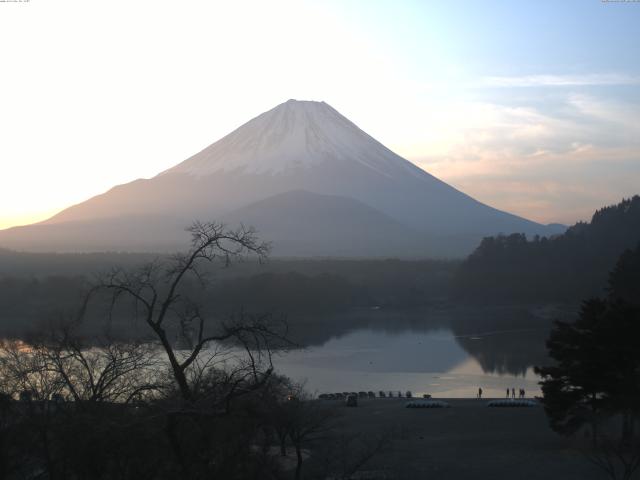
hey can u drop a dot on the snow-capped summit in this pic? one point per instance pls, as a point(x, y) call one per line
point(309, 178)
point(295, 134)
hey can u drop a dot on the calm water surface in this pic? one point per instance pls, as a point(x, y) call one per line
point(447, 354)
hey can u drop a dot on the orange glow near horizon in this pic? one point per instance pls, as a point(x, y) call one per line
point(493, 111)
point(26, 218)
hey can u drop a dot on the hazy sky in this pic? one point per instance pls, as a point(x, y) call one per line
point(530, 106)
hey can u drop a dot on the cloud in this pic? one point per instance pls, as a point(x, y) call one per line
point(549, 163)
point(624, 115)
point(551, 80)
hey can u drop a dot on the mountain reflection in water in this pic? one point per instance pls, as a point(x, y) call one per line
point(445, 352)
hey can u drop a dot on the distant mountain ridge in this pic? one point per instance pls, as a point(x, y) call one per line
point(298, 146)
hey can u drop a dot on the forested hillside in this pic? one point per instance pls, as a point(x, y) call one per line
point(567, 267)
point(295, 287)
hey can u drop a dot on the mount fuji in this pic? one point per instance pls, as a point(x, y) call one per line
point(305, 176)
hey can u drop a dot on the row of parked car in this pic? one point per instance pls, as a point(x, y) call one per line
point(369, 394)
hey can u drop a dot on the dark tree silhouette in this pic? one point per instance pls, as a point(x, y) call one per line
point(307, 422)
point(595, 380)
point(624, 280)
point(158, 291)
point(195, 398)
point(76, 410)
point(511, 268)
point(214, 361)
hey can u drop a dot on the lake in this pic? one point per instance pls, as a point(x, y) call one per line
point(442, 352)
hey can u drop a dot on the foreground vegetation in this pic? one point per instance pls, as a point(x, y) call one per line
point(593, 387)
point(198, 398)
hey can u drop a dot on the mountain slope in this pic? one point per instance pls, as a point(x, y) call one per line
point(131, 233)
point(298, 145)
point(302, 223)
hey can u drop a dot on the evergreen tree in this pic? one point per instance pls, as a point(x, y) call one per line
point(511, 268)
point(595, 380)
point(624, 280)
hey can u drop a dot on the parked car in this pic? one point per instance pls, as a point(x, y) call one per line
point(351, 401)
point(370, 394)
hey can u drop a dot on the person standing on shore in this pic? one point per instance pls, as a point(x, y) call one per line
point(480, 393)
point(507, 393)
point(513, 393)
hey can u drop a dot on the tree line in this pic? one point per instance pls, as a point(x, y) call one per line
point(299, 288)
point(563, 268)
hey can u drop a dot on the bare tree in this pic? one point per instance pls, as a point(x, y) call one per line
point(26, 372)
point(60, 365)
point(303, 420)
point(158, 292)
point(616, 454)
point(213, 361)
point(311, 422)
point(63, 364)
point(26, 375)
point(103, 370)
